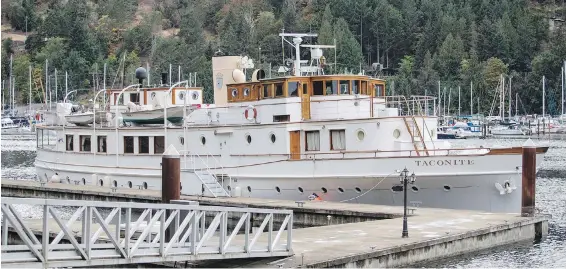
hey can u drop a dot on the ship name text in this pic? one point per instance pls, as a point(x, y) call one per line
point(444, 162)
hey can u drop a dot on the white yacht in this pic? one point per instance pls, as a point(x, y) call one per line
point(338, 136)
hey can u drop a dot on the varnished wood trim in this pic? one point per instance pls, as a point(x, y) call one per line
point(514, 150)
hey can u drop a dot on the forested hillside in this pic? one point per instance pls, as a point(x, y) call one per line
point(418, 42)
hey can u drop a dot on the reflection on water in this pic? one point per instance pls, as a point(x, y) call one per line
point(18, 153)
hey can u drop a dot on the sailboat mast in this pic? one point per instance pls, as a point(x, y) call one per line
point(29, 95)
point(543, 96)
point(439, 98)
point(11, 84)
point(562, 98)
point(471, 98)
point(459, 102)
point(516, 104)
point(510, 99)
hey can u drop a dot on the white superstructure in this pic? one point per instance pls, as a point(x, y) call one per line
point(337, 136)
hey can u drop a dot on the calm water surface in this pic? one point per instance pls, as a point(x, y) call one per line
point(18, 153)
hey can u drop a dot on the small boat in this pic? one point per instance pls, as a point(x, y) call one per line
point(86, 118)
point(9, 127)
point(513, 129)
point(149, 115)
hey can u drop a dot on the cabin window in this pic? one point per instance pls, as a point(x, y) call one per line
point(143, 144)
point(344, 87)
point(363, 90)
point(102, 144)
point(378, 90)
point(69, 142)
point(128, 144)
point(85, 143)
point(337, 139)
point(356, 87)
point(246, 92)
point(318, 88)
point(312, 141)
point(159, 144)
point(267, 91)
point(135, 98)
point(305, 89)
point(293, 88)
point(234, 92)
point(281, 118)
point(279, 90)
point(331, 87)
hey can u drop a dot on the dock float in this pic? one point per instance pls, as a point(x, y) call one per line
point(332, 234)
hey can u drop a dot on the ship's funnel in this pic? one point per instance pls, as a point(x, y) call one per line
point(238, 76)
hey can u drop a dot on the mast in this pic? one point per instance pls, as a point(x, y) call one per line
point(562, 97)
point(516, 104)
point(439, 98)
point(543, 96)
point(148, 73)
point(56, 89)
point(46, 89)
point(11, 84)
point(471, 98)
point(170, 70)
point(30, 90)
point(459, 101)
point(179, 74)
point(510, 99)
point(66, 83)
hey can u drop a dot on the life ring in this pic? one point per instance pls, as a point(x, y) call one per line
point(250, 113)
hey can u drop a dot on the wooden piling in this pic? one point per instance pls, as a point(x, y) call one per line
point(170, 176)
point(529, 179)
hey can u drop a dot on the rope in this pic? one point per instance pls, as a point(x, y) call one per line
point(368, 190)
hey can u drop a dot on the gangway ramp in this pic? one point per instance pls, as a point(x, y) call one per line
point(92, 233)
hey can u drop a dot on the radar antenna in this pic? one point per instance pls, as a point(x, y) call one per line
point(297, 40)
point(317, 59)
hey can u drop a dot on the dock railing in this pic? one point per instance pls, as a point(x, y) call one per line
point(110, 233)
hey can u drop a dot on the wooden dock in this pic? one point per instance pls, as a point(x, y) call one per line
point(342, 234)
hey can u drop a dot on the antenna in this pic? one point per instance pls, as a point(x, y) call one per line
point(297, 40)
point(317, 58)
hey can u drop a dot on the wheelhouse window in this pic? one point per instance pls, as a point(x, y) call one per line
point(267, 91)
point(85, 143)
point(344, 87)
point(69, 142)
point(318, 88)
point(305, 88)
point(378, 90)
point(331, 87)
point(279, 90)
point(281, 118)
point(356, 87)
point(293, 88)
point(159, 144)
point(143, 144)
point(312, 141)
point(102, 144)
point(135, 98)
point(128, 144)
point(337, 139)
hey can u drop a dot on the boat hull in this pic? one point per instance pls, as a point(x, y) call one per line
point(458, 184)
point(86, 118)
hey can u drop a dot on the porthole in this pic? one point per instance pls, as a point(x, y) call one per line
point(229, 188)
point(203, 140)
point(300, 190)
point(145, 185)
point(396, 133)
point(115, 183)
point(324, 190)
point(234, 92)
point(397, 188)
point(246, 91)
point(415, 188)
point(360, 135)
point(447, 188)
point(130, 185)
point(181, 95)
point(249, 138)
point(340, 190)
point(181, 140)
point(83, 180)
point(101, 182)
point(249, 189)
point(358, 190)
point(273, 138)
point(68, 180)
point(152, 95)
point(278, 189)
point(194, 95)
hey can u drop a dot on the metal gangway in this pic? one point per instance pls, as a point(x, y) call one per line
point(68, 233)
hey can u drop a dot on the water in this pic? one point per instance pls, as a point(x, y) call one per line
point(18, 153)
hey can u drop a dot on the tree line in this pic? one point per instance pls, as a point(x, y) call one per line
point(416, 42)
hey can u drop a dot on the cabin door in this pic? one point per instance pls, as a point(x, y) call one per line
point(306, 106)
point(295, 145)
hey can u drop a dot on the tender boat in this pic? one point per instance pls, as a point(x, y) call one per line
point(334, 135)
point(141, 115)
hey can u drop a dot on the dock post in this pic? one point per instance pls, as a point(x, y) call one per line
point(528, 179)
point(170, 181)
